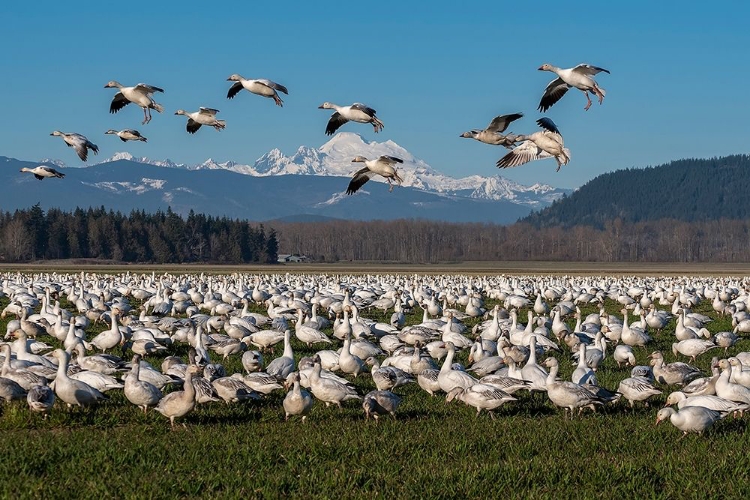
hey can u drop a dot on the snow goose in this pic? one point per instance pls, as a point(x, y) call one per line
point(481, 396)
point(141, 94)
point(139, 392)
point(547, 143)
point(180, 403)
point(127, 134)
point(43, 172)
point(624, 355)
point(637, 389)
point(708, 401)
point(40, 399)
point(252, 361)
point(282, 366)
point(308, 334)
point(448, 378)
point(350, 363)
point(379, 402)
point(261, 381)
point(328, 390)
point(261, 87)
point(739, 375)
point(78, 142)
point(692, 347)
point(567, 395)
point(297, 401)
point(10, 390)
point(580, 77)
point(583, 374)
point(233, 389)
point(689, 419)
point(493, 133)
point(22, 377)
point(387, 377)
point(672, 373)
point(728, 390)
point(383, 166)
point(204, 116)
point(357, 112)
point(73, 392)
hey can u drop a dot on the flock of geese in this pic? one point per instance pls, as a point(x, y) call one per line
point(545, 143)
point(210, 319)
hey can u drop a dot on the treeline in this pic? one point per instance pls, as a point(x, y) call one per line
point(689, 190)
point(419, 241)
point(163, 237)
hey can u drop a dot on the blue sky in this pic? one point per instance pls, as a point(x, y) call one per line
point(433, 70)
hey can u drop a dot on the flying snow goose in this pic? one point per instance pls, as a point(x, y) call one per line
point(127, 134)
point(262, 87)
point(41, 172)
point(493, 133)
point(547, 143)
point(78, 142)
point(357, 112)
point(204, 116)
point(382, 166)
point(580, 77)
point(141, 95)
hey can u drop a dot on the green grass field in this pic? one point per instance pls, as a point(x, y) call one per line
point(433, 449)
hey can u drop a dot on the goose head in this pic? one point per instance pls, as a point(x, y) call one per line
point(326, 105)
point(113, 84)
point(545, 67)
point(235, 78)
point(180, 112)
point(470, 134)
point(57, 132)
point(359, 159)
point(664, 414)
point(111, 131)
point(550, 362)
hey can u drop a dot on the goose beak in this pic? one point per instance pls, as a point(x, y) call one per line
point(321, 107)
point(541, 68)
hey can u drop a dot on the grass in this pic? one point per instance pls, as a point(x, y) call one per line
point(434, 449)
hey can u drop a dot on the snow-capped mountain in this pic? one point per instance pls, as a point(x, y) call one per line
point(334, 159)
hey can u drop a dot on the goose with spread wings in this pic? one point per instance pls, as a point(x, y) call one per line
point(78, 142)
point(547, 143)
point(580, 77)
point(383, 166)
point(43, 172)
point(357, 112)
point(493, 133)
point(140, 94)
point(204, 116)
point(261, 87)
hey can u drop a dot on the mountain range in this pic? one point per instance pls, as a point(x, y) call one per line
point(309, 183)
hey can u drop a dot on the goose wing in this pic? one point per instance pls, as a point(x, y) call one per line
point(234, 90)
point(51, 171)
point(192, 126)
point(147, 89)
point(391, 160)
point(208, 111)
point(525, 152)
point(553, 93)
point(587, 69)
point(335, 123)
point(359, 180)
point(363, 108)
point(118, 102)
point(500, 123)
point(548, 124)
point(273, 85)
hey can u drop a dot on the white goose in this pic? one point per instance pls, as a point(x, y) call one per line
point(141, 94)
point(139, 392)
point(73, 392)
point(580, 77)
point(383, 166)
point(448, 378)
point(261, 87)
point(179, 403)
point(204, 116)
point(567, 395)
point(43, 172)
point(328, 390)
point(78, 142)
point(40, 399)
point(308, 334)
point(637, 389)
point(282, 366)
point(689, 419)
point(481, 396)
point(707, 401)
point(547, 143)
point(493, 133)
point(357, 112)
point(297, 401)
point(127, 134)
